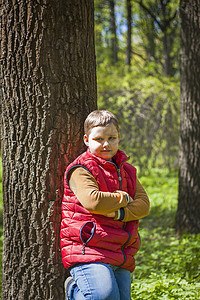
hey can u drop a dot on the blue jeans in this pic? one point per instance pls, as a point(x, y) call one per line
point(98, 281)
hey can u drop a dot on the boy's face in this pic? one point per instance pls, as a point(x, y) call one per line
point(103, 141)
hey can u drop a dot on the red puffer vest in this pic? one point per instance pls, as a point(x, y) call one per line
point(87, 237)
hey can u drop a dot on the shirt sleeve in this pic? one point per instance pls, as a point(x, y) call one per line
point(139, 207)
point(85, 187)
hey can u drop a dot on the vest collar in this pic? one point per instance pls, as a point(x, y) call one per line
point(118, 158)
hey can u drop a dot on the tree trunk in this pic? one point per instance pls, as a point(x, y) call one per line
point(164, 20)
point(151, 44)
point(114, 43)
point(187, 217)
point(129, 32)
point(48, 88)
point(167, 46)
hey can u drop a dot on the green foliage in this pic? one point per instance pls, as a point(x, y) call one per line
point(147, 106)
point(153, 22)
point(145, 101)
point(167, 267)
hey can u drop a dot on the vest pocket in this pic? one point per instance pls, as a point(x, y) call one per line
point(86, 233)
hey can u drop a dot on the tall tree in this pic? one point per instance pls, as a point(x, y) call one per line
point(48, 88)
point(147, 28)
point(163, 13)
point(113, 29)
point(129, 32)
point(187, 217)
point(102, 30)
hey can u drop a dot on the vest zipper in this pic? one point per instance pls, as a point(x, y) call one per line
point(120, 185)
point(119, 178)
point(122, 248)
point(118, 172)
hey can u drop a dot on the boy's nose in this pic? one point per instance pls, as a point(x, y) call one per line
point(106, 144)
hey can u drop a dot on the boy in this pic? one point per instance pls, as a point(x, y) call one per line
point(103, 201)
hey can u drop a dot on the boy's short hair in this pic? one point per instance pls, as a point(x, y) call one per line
point(99, 118)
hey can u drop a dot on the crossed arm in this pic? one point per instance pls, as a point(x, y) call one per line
point(86, 189)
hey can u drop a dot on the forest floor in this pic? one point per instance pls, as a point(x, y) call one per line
point(167, 267)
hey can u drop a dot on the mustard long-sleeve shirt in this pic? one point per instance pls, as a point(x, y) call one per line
point(85, 187)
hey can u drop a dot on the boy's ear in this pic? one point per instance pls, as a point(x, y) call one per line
point(85, 138)
point(119, 136)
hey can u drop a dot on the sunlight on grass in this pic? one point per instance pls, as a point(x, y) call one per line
point(166, 267)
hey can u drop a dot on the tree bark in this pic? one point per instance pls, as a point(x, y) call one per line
point(114, 42)
point(129, 32)
point(48, 88)
point(187, 217)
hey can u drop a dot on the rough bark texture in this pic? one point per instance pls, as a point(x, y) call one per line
point(48, 88)
point(187, 218)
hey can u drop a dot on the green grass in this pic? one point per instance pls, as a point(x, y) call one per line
point(1, 250)
point(1, 196)
point(1, 224)
point(166, 267)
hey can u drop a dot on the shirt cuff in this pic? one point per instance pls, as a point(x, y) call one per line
point(122, 196)
point(128, 198)
point(121, 214)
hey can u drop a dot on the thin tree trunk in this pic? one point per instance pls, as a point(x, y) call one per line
point(151, 49)
point(164, 23)
point(187, 217)
point(129, 32)
point(114, 42)
point(49, 87)
point(167, 67)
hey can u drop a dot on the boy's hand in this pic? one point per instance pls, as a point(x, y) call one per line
point(130, 199)
point(110, 215)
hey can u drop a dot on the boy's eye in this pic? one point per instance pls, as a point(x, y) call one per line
point(98, 139)
point(112, 138)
